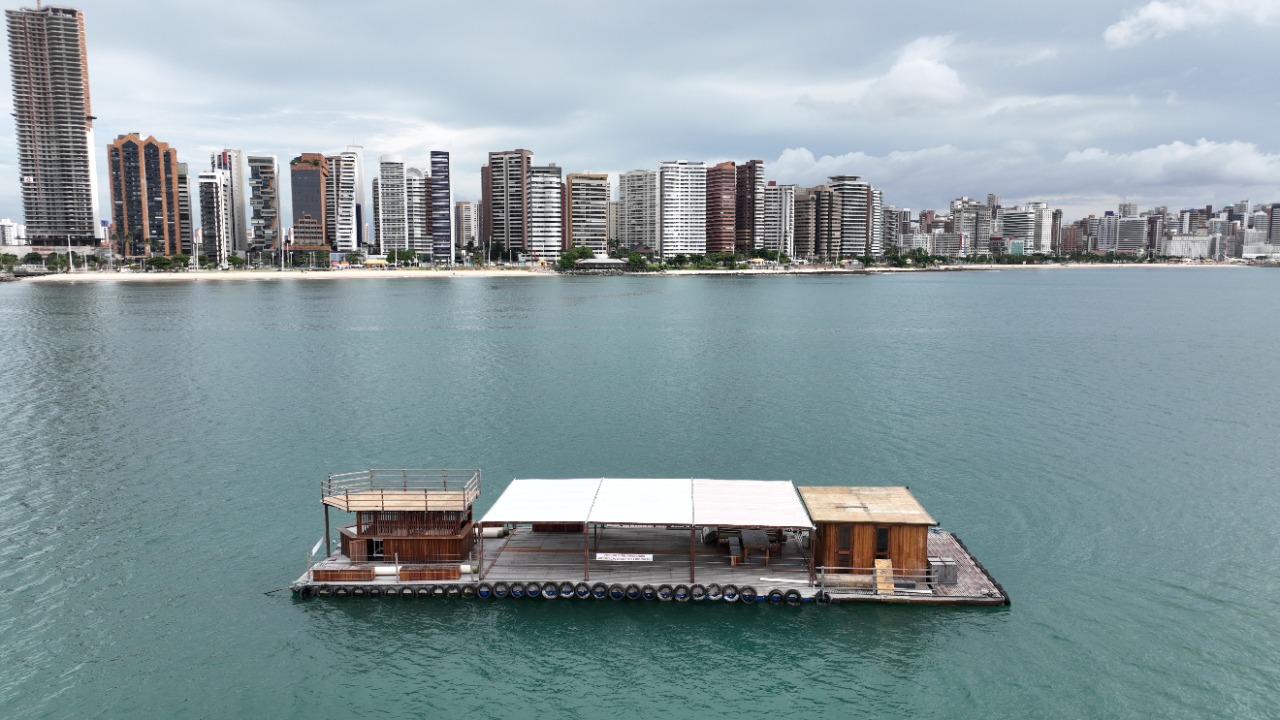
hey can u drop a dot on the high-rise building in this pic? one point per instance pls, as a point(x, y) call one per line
point(348, 199)
point(860, 215)
point(749, 206)
point(186, 236)
point(215, 215)
point(504, 209)
point(264, 202)
point(545, 194)
point(682, 208)
point(417, 207)
point(817, 223)
point(722, 190)
point(638, 205)
point(779, 219)
point(233, 162)
point(144, 196)
point(613, 224)
point(588, 204)
point(309, 185)
point(54, 124)
point(464, 224)
point(972, 218)
point(391, 198)
point(442, 247)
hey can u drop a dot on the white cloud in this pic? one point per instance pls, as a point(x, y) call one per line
point(919, 82)
point(1205, 164)
point(1161, 18)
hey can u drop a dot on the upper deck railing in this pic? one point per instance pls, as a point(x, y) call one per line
point(399, 489)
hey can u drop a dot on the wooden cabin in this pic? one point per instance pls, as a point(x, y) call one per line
point(418, 520)
point(857, 526)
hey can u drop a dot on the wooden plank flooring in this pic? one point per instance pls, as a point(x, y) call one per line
point(528, 556)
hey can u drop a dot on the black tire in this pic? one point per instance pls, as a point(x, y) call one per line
point(484, 591)
point(617, 592)
point(714, 592)
point(468, 591)
point(453, 591)
point(682, 593)
point(599, 591)
point(665, 593)
point(748, 594)
point(342, 591)
point(730, 593)
point(649, 592)
point(550, 591)
point(324, 591)
point(775, 596)
point(582, 591)
point(359, 591)
point(698, 593)
point(422, 592)
point(792, 597)
point(533, 589)
point(437, 591)
point(566, 589)
point(501, 590)
point(822, 597)
point(517, 590)
point(406, 591)
point(633, 592)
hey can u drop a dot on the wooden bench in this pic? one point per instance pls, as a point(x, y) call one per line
point(735, 551)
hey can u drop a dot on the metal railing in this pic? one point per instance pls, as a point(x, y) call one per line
point(426, 481)
point(871, 580)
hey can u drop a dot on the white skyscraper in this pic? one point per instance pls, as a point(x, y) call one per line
point(215, 215)
point(779, 219)
point(233, 162)
point(638, 209)
point(349, 200)
point(860, 215)
point(682, 208)
point(393, 226)
point(417, 215)
point(546, 217)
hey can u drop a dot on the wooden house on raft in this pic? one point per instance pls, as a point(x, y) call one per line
point(418, 523)
point(860, 529)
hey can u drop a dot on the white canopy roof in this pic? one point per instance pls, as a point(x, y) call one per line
point(655, 501)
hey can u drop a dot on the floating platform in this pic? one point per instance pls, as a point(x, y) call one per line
point(631, 539)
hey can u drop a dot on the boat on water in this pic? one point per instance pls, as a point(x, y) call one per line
point(413, 533)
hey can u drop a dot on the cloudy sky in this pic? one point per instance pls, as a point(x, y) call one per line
point(1080, 104)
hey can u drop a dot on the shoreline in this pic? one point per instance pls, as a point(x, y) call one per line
point(361, 273)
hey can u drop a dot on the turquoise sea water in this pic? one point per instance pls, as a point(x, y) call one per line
point(1105, 441)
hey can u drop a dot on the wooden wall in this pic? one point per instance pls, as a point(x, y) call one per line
point(908, 546)
point(424, 550)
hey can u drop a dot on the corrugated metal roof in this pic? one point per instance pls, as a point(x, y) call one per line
point(651, 501)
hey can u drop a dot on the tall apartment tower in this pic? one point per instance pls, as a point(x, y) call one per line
point(861, 216)
point(390, 217)
point(441, 208)
point(818, 221)
point(233, 162)
point(545, 194)
point(185, 225)
point(464, 223)
point(348, 199)
point(588, 205)
point(722, 191)
point(638, 209)
point(972, 218)
point(144, 195)
point(613, 224)
point(749, 207)
point(309, 185)
point(502, 187)
point(215, 215)
point(54, 124)
point(682, 208)
point(417, 210)
point(264, 202)
point(779, 219)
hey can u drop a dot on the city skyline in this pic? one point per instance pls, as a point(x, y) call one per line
point(1079, 107)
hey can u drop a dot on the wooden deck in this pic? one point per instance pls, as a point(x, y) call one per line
point(526, 556)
